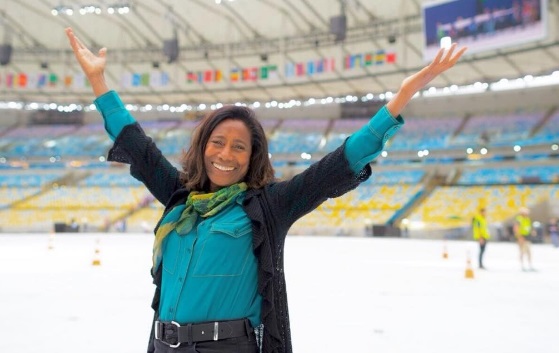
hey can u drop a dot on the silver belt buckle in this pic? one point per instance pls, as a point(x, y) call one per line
point(216, 331)
point(158, 336)
point(156, 329)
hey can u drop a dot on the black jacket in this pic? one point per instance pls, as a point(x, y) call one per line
point(272, 210)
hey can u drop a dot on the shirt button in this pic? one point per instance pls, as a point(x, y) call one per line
point(180, 279)
point(171, 310)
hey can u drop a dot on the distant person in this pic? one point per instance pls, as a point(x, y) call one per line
point(553, 231)
point(74, 226)
point(523, 232)
point(218, 253)
point(480, 232)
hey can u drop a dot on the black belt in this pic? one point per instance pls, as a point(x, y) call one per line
point(173, 334)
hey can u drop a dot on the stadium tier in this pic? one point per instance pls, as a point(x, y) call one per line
point(64, 175)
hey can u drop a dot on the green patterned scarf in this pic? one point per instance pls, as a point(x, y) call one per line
point(182, 218)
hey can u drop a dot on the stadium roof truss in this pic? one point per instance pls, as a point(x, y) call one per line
point(219, 35)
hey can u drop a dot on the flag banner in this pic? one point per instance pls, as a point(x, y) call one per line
point(246, 74)
point(155, 79)
point(357, 60)
point(42, 81)
point(218, 76)
point(164, 78)
point(300, 69)
point(272, 72)
point(380, 57)
point(53, 79)
point(264, 73)
point(310, 68)
point(79, 81)
point(329, 65)
point(9, 80)
point(136, 78)
point(374, 58)
point(234, 75)
point(319, 66)
point(68, 81)
point(144, 79)
point(191, 77)
point(289, 70)
point(22, 80)
point(253, 73)
point(33, 80)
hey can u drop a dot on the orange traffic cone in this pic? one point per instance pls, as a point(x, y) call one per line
point(469, 271)
point(96, 259)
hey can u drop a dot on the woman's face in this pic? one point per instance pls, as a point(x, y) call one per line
point(227, 154)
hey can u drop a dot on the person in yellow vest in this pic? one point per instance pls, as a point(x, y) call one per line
point(523, 232)
point(481, 234)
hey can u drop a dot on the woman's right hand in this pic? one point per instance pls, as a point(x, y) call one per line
point(92, 65)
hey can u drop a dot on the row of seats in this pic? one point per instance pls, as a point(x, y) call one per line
point(446, 206)
point(294, 136)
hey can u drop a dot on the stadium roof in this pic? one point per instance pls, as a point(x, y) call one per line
point(221, 35)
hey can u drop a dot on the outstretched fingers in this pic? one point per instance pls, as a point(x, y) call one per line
point(445, 59)
point(451, 57)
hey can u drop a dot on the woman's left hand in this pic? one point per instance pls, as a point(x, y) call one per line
point(443, 61)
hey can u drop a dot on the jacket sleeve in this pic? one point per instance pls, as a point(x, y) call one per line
point(330, 177)
point(147, 163)
point(363, 146)
point(335, 174)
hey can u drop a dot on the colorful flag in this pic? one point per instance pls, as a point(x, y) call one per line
point(379, 57)
point(250, 74)
point(191, 77)
point(391, 57)
point(42, 81)
point(368, 59)
point(347, 62)
point(319, 66)
point(68, 81)
point(264, 73)
point(136, 79)
point(329, 65)
point(9, 80)
point(164, 78)
point(300, 69)
point(358, 60)
point(310, 67)
point(208, 76)
point(155, 79)
point(53, 80)
point(79, 80)
point(144, 80)
point(218, 76)
point(289, 70)
point(272, 72)
point(22, 80)
point(234, 75)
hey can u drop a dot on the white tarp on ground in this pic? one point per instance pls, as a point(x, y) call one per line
point(346, 295)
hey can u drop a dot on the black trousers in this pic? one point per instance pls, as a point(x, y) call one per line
point(481, 252)
point(246, 344)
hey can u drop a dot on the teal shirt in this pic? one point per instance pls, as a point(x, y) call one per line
point(211, 273)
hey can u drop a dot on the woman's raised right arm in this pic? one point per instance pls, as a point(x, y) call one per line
point(132, 146)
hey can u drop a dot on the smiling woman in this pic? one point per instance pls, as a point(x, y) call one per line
point(234, 148)
point(218, 248)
